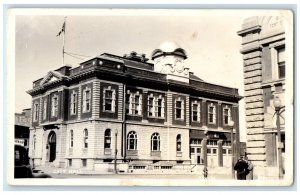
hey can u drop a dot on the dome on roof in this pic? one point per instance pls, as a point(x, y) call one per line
point(168, 48)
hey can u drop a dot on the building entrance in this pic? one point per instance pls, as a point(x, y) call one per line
point(52, 146)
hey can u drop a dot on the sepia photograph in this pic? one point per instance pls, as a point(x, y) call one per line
point(150, 97)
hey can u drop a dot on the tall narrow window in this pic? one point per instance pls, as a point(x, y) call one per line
point(85, 138)
point(178, 143)
point(196, 111)
point(36, 112)
point(54, 106)
point(281, 62)
point(86, 100)
point(134, 103)
point(107, 139)
point(71, 138)
point(109, 97)
point(45, 109)
point(132, 140)
point(211, 113)
point(155, 106)
point(34, 141)
point(226, 115)
point(155, 142)
point(179, 109)
point(150, 106)
point(73, 103)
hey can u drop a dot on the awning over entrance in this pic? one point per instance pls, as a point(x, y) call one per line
point(197, 134)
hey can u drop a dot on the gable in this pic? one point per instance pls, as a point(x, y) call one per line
point(51, 77)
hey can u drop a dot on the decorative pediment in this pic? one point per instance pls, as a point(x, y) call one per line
point(52, 76)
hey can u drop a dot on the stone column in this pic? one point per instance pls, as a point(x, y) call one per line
point(220, 153)
point(204, 151)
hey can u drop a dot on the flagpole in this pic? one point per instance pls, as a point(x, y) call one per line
point(63, 47)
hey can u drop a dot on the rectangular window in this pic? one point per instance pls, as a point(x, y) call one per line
point(155, 106)
point(211, 114)
point(70, 162)
point(108, 100)
point(281, 62)
point(192, 150)
point(36, 112)
point(226, 116)
point(179, 109)
point(45, 109)
point(54, 108)
point(208, 151)
point(133, 103)
point(214, 151)
point(224, 151)
point(198, 150)
point(73, 103)
point(151, 107)
point(159, 108)
point(84, 163)
point(196, 112)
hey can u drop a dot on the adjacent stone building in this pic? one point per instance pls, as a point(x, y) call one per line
point(263, 49)
point(142, 116)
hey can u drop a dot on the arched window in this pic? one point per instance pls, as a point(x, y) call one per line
point(178, 143)
point(132, 140)
point(155, 142)
point(107, 138)
point(85, 138)
point(71, 138)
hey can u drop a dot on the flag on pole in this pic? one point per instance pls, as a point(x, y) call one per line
point(62, 29)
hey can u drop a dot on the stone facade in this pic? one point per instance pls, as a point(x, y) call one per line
point(263, 49)
point(114, 110)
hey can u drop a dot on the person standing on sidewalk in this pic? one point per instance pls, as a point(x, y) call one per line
point(241, 168)
point(249, 172)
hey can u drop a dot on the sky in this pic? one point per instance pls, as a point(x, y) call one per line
point(209, 38)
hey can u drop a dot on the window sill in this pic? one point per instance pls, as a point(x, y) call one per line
point(196, 121)
point(154, 117)
point(109, 111)
point(83, 112)
point(179, 119)
point(134, 115)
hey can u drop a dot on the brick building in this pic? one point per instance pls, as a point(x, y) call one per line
point(22, 124)
point(152, 116)
point(263, 49)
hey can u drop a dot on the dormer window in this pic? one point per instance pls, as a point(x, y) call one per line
point(109, 99)
point(87, 100)
point(179, 109)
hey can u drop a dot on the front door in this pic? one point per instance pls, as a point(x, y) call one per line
point(52, 146)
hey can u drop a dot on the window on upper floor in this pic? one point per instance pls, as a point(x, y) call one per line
point(211, 113)
point(54, 106)
point(86, 100)
point(134, 103)
point(85, 138)
point(109, 99)
point(178, 143)
point(132, 140)
point(281, 62)
point(156, 106)
point(73, 103)
point(179, 109)
point(155, 142)
point(34, 141)
point(35, 111)
point(71, 138)
point(196, 111)
point(107, 139)
point(226, 115)
point(45, 109)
